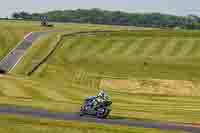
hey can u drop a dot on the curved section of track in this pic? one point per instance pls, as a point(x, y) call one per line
point(11, 60)
point(39, 113)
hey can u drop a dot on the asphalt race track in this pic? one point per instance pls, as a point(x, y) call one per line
point(11, 60)
point(39, 113)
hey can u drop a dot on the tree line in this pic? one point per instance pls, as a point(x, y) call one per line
point(98, 16)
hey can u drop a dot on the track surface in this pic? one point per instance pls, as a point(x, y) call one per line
point(39, 113)
point(10, 61)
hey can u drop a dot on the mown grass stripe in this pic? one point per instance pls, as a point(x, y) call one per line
point(133, 46)
point(160, 47)
point(188, 45)
point(127, 43)
point(51, 93)
point(110, 45)
point(9, 89)
point(78, 46)
point(79, 52)
point(177, 48)
point(107, 51)
point(1, 93)
point(68, 43)
point(16, 92)
point(194, 51)
point(142, 46)
point(83, 75)
point(74, 44)
point(116, 45)
point(169, 48)
point(95, 46)
point(106, 44)
point(152, 45)
point(68, 48)
point(29, 88)
point(89, 45)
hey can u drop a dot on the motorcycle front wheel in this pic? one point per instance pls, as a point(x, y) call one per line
point(102, 113)
point(82, 111)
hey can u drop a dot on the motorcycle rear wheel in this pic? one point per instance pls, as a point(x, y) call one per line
point(102, 113)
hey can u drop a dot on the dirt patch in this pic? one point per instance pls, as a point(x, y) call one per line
point(154, 86)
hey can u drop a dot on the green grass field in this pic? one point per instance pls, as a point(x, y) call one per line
point(161, 67)
point(80, 62)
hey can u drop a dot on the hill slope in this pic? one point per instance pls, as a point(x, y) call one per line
point(83, 62)
point(140, 54)
point(88, 58)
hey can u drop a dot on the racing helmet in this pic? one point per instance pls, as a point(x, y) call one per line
point(102, 94)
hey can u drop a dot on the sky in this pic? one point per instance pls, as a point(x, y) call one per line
point(176, 7)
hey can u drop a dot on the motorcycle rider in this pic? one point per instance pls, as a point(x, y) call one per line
point(100, 98)
point(99, 105)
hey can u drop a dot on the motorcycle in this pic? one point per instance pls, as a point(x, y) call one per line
point(102, 110)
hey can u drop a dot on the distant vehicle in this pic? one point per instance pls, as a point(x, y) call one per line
point(2, 71)
point(98, 106)
point(44, 22)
